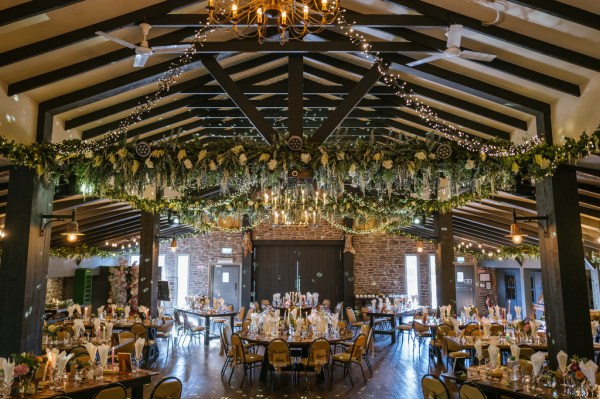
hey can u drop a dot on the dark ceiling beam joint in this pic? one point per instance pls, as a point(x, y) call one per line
point(296, 94)
point(31, 9)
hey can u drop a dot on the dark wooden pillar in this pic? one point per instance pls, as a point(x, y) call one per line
point(444, 260)
point(24, 265)
point(247, 262)
point(563, 269)
point(348, 275)
point(149, 271)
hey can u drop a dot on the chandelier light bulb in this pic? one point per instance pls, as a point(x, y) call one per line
point(72, 237)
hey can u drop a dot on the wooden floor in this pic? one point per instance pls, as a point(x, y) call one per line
point(397, 373)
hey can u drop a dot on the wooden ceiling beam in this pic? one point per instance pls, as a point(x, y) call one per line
point(66, 39)
point(497, 63)
point(503, 34)
point(337, 46)
point(33, 8)
point(352, 100)
point(91, 64)
point(367, 20)
point(177, 88)
point(240, 99)
point(563, 11)
point(421, 91)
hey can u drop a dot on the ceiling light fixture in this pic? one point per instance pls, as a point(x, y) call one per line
point(419, 246)
point(515, 230)
point(294, 19)
point(72, 232)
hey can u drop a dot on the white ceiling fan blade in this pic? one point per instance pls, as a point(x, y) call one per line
point(175, 48)
point(472, 55)
point(140, 60)
point(426, 60)
point(454, 35)
point(116, 40)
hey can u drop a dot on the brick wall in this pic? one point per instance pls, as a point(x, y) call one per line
point(319, 232)
point(379, 265)
point(55, 288)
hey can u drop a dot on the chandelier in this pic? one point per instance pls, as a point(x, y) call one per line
point(298, 205)
point(294, 19)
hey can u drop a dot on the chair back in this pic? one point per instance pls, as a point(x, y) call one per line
point(167, 326)
point(469, 328)
point(425, 317)
point(238, 349)
point(470, 391)
point(249, 313)
point(319, 352)
point(496, 329)
point(186, 322)
point(129, 347)
point(240, 315)
point(526, 352)
point(341, 325)
point(78, 349)
point(358, 348)
point(177, 317)
point(327, 303)
point(226, 331)
point(451, 345)
point(526, 366)
point(139, 330)
point(167, 388)
point(246, 325)
point(365, 329)
point(279, 353)
point(111, 391)
point(369, 342)
point(81, 358)
point(350, 314)
point(420, 327)
point(433, 387)
point(364, 311)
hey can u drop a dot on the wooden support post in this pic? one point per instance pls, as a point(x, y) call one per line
point(296, 94)
point(247, 262)
point(563, 270)
point(149, 272)
point(24, 266)
point(348, 263)
point(444, 260)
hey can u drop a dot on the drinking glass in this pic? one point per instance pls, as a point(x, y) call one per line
point(5, 385)
point(138, 358)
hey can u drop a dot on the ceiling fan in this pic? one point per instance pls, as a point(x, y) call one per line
point(144, 51)
point(453, 49)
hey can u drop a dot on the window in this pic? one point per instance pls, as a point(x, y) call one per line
point(532, 280)
point(134, 258)
point(433, 281)
point(412, 275)
point(163, 268)
point(510, 282)
point(183, 270)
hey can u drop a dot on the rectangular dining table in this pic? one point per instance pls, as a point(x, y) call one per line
point(76, 390)
point(207, 315)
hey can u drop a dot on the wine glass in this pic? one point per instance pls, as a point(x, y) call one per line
point(5, 384)
point(138, 358)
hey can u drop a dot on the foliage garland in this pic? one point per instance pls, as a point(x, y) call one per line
point(80, 252)
point(518, 253)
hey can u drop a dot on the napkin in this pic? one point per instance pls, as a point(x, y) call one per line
point(589, 369)
point(333, 320)
point(456, 325)
point(294, 313)
point(61, 361)
point(113, 308)
point(537, 361)
point(322, 325)
point(491, 311)
point(374, 304)
point(127, 310)
point(109, 328)
point(103, 354)
point(139, 347)
point(97, 326)
point(78, 309)
point(487, 326)
point(534, 324)
point(70, 310)
point(518, 311)
point(562, 358)
point(493, 351)
point(498, 314)
point(92, 350)
point(78, 328)
point(9, 370)
point(100, 310)
point(515, 351)
point(479, 349)
point(161, 310)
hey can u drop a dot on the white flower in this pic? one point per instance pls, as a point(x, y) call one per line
point(324, 159)
point(377, 157)
point(243, 159)
point(272, 164)
point(122, 152)
point(388, 163)
point(188, 164)
point(305, 157)
point(149, 164)
point(352, 170)
point(470, 164)
point(482, 155)
point(212, 166)
point(420, 155)
point(202, 155)
point(341, 156)
point(88, 154)
point(220, 159)
point(135, 165)
point(237, 149)
point(264, 157)
point(181, 155)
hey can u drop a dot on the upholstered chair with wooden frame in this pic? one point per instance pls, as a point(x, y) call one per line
point(433, 387)
point(352, 319)
point(279, 356)
point(167, 388)
point(469, 328)
point(437, 342)
point(111, 391)
point(421, 332)
point(470, 391)
point(237, 324)
point(249, 361)
point(217, 322)
point(319, 355)
point(190, 330)
point(453, 350)
point(346, 359)
point(165, 332)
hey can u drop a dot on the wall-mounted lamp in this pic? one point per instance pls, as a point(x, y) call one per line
point(173, 245)
point(515, 230)
point(419, 246)
point(173, 219)
point(72, 232)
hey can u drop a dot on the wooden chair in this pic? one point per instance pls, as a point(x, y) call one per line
point(453, 350)
point(190, 330)
point(78, 349)
point(250, 361)
point(130, 346)
point(150, 348)
point(438, 341)
point(469, 328)
point(226, 348)
point(346, 359)
point(470, 391)
point(433, 387)
point(526, 352)
point(279, 357)
point(404, 329)
point(81, 358)
point(496, 329)
point(365, 329)
point(319, 353)
point(111, 391)
point(167, 388)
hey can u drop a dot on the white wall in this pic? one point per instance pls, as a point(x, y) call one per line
point(61, 267)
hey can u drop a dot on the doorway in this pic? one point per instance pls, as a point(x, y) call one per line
point(465, 286)
point(225, 282)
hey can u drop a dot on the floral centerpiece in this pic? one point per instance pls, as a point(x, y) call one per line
point(518, 325)
point(52, 330)
point(471, 310)
point(26, 365)
point(574, 371)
